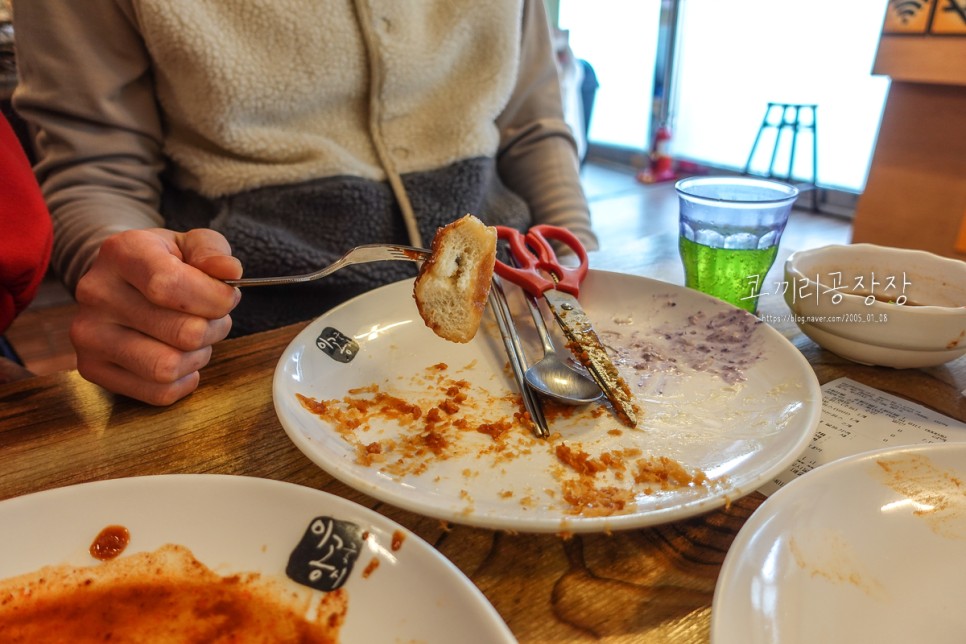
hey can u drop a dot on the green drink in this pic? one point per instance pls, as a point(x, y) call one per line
point(733, 275)
point(730, 230)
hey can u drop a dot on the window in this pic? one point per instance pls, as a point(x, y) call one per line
point(733, 58)
point(619, 40)
point(730, 60)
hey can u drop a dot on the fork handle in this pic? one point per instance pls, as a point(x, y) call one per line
point(271, 281)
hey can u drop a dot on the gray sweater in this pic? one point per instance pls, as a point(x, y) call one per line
point(297, 128)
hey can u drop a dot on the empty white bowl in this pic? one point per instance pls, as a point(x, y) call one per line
point(879, 305)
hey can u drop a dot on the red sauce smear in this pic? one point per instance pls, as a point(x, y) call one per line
point(110, 543)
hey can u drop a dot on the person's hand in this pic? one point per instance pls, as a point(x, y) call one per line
point(150, 308)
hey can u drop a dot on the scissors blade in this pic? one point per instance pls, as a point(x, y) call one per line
point(580, 332)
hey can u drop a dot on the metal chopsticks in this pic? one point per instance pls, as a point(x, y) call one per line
point(517, 358)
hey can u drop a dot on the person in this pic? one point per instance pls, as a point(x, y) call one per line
point(25, 245)
point(180, 141)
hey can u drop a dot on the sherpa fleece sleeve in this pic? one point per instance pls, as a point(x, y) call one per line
point(85, 83)
point(538, 156)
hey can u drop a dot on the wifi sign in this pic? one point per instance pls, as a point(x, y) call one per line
point(908, 16)
point(907, 9)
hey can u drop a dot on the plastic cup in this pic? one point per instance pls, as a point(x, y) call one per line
point(730, 228)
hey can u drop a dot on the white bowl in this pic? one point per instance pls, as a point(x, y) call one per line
point(917, 317)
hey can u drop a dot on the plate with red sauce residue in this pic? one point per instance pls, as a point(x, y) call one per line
point(869, 548)
point(188, 557)
point(725, 403)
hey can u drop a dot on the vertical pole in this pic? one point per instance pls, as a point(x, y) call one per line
point(754, 146)
point(662, 93)
point(815, 158)
point(779, 128)
point(794, 125)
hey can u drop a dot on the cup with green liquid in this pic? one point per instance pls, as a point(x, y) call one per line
point(730, 227)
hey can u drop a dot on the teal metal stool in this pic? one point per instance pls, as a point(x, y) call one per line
point(794, 117)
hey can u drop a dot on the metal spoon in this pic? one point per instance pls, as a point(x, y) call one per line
point(552, 376)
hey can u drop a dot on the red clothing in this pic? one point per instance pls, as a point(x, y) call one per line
point(26, 233)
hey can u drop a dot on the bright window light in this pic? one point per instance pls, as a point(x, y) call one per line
point(619, 40)
point(734, 58)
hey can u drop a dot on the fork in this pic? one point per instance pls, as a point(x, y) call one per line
point(358, 255)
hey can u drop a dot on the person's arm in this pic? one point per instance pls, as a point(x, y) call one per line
point(151, 302)
point(86, 87)
point(538, 156)
point(25, 244)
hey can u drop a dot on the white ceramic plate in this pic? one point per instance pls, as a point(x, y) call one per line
point(739, 424)
point(236, 524)
point(870, 548)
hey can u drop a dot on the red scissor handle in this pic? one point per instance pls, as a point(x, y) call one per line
point(533, 253)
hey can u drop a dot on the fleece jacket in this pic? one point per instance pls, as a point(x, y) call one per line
point(297, 128)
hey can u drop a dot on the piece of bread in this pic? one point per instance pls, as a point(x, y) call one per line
point(453, 284)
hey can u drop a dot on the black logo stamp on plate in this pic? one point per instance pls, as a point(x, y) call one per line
point(338, 346)
point(324, 557)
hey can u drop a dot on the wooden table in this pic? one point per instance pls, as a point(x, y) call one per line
point(651, 584)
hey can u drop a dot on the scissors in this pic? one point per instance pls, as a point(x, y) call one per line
point(535, 256)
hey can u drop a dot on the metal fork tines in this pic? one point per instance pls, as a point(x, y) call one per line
point(514, 352)
point(358, 255)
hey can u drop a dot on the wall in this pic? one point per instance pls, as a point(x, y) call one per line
point(915, 196)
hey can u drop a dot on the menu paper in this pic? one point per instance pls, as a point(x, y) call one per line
point(857, 418)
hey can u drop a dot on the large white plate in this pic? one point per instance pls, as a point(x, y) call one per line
point(235, 524)
point(740, 425)
point(869, 548)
